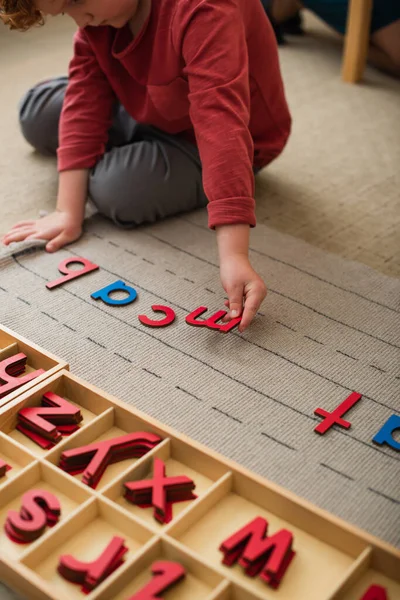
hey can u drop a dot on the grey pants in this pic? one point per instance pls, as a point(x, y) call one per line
point(145, 174)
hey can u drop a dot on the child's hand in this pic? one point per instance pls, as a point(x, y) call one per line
point(243, 286)
point(59, 228)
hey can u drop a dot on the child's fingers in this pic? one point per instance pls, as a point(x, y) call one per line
point(58, 242)
point(17, 236)
point(252, 304)
point(235, 302)
point(23, 224)
point(250, 310)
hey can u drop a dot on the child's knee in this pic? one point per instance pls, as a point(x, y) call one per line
point(119, 195)
point(144, 182)
point(39, 114)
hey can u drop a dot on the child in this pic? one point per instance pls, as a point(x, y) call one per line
point(384, 51)
point(170, 105)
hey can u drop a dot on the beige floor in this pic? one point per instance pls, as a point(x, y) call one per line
point(337, 185)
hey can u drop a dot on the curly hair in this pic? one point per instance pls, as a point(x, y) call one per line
point(20, 14)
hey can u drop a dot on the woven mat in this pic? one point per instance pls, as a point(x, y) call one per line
point(328, 327)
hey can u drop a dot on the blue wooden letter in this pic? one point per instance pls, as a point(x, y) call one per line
point(118, 286)
point(385, 435)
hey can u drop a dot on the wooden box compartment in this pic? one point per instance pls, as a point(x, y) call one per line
point(319, 564)
point(84, 536)
point(37, 358)
point(114, 422)
point(179, 459)
point(43, 477)
point(200, 582)
point(91, 404)
point(372, 569)
point(14, 456)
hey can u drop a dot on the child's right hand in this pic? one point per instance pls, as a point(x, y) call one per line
point(59, 228)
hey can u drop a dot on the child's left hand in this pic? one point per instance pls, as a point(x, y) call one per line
point(243, 287)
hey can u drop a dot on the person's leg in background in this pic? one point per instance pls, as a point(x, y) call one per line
point(285, 17)
point(144, 176)
point(385, 48)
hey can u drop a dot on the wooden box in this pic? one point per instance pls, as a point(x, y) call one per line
point(37, 358)
point(333, 560)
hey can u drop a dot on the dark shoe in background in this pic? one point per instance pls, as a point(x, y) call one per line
point(292, 26)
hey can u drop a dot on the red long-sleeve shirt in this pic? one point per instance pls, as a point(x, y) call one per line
point(206, 69)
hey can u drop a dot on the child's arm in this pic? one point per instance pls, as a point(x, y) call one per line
point(212, 39)
point(65, 224)
point(240, 281)
point(84, 125)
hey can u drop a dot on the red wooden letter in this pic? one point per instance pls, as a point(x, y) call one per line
point(43, 420)
point(211, 322)
point(95, 458)
point(335, 417)
point(160, 491)
point(258, 553)
point(39, 509)
point(90, 574)
point(169, 317)
point(71, 274)
point(375, 592)
point(4, 467)
point(10, 368)
point(165, 575)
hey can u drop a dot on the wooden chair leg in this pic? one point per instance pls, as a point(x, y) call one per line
point(356, 40)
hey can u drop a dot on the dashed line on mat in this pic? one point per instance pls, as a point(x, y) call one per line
point(337, 472)
point(123, 357)
point(384, 496)
point(286, 326)
point(113, 244)
point(227, 415)
point(188, 393)
point(314, 340)
point(171, 272)
point(344, 354)
point(130, 252)
point(151, 373)
point(211, 291)
point(277, 441)
point(24, 301)
point(69, 327)
point(97, 343)
point(148, 261)
point(378, 368)
point(189, 280)
point(3, 289)
point(50, 317)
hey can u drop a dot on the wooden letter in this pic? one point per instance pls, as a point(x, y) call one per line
point(375, 592)
point(88, 267)
point(211, 322)
point(258, 553)
point(49, 421)
point(169, 317)
point(335, 416)
point(95, 458)
point(39, 509)
point(4, 467)
point(165, 575)
point(160, 492)
point(10, 368)
point(385, 435)
point(91, 574)
point(118, 286)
